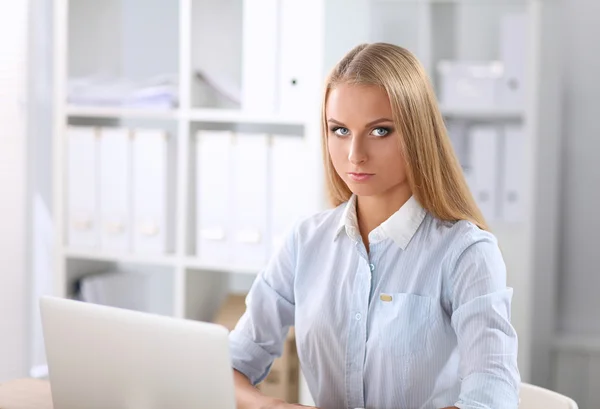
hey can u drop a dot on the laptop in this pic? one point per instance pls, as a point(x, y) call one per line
point(103, 357)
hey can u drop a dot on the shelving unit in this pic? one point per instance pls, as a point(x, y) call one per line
point(197, 264)
point(434, 29)
point(238, 117)
point(208, 115)
point(112, 113)
point(167, 261)
point(486, 114)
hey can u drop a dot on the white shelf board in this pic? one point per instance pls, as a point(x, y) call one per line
point(237, 116)
point(577, 343)
point(159, 260)
point(196, 264)
point(474, 2)
point(118, 112)
point(483, 113)
point(195, 115)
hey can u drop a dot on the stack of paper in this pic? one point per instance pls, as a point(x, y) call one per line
point(157, 92)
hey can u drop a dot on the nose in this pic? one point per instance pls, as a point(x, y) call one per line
point(357, 154)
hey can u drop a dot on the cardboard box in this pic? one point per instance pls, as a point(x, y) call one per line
point(231, 311)
point(282, 381)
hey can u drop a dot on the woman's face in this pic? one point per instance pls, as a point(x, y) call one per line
point(363, 144)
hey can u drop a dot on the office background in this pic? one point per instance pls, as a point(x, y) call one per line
point(176, 76)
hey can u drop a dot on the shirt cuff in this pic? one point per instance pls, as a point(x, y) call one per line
point(249, 358)
point(487, 391)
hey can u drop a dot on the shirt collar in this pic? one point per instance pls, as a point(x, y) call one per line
point(400, 226)
point(349, 220)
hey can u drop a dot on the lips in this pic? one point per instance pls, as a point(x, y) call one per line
point(359, 176)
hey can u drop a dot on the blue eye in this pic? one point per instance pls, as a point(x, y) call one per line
point(380, 132)
point(340, 131)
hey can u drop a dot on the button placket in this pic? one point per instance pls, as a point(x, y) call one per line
point(356, 348)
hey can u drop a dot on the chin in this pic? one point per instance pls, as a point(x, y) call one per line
point(363, 189)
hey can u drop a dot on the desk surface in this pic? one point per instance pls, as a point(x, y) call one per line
point(25, 394)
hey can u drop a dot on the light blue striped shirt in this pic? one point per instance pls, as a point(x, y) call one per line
point(421, 321)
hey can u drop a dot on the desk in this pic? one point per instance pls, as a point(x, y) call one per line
point(25, 394)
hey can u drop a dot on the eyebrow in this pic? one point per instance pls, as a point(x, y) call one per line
point(367, 125)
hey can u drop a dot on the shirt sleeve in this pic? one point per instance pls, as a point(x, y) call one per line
point(487, 341)
point(258, 337)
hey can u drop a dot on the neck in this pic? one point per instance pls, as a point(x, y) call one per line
point(374, 210)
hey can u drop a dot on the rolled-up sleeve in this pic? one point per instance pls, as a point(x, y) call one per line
point(487, 341)
point(258, 337)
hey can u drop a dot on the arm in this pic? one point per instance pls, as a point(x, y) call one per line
point(259, 335)
point(487, 342)
point(248, 397)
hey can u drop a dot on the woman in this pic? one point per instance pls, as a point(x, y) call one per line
point(398, 295)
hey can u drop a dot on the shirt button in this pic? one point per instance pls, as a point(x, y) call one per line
point(372, 267)
point(358, 316)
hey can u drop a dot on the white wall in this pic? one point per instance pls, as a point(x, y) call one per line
point(40, 163)
point(577, 365)
point(580, 280)
point(13, 190)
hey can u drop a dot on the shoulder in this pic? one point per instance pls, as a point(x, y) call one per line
point(308, 230)
point(456, 236)
point(471, 254)
point(470, 239)
point(319, 225)
point(315, 231)
point(456, 241)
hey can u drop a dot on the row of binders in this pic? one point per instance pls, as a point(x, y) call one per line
point(493, 162)
point(250, 189)
point(120, 189)
point(246, 190)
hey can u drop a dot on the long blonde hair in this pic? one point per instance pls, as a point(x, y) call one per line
point(433, 172)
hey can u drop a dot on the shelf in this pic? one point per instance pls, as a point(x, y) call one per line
point(159, 260)
point(117, 112)
point(194, 115)
point(194, 263)
point(577, 343)
point(504, 114)
point(509, 2)
point(236, 116)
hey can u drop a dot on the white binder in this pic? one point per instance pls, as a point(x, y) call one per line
point(249, 200)
point(513, 52)
point(153, 193)
point(457, 132)
point(484, 169)
point(295, 55)
point(260, 55)
point(289, 180)
point(513, 168)
point(115, 189)
point(213, 202)
point(82, 182)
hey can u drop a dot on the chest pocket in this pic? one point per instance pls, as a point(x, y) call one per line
point(401, 322)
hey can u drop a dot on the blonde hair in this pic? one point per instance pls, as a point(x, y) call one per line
point(433, 172)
